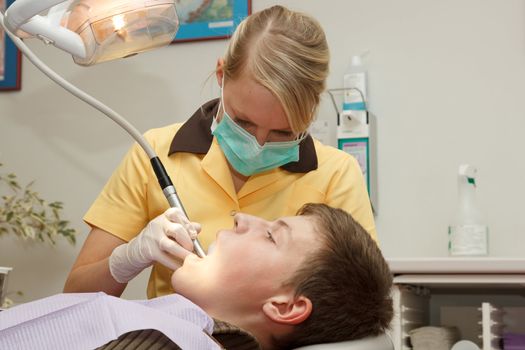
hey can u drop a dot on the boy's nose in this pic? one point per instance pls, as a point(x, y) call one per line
point(245, 223)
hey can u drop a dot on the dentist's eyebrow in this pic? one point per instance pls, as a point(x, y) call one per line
point(244, 118)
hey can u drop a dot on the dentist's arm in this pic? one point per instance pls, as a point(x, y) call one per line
point(106, 263)
point(90, 272)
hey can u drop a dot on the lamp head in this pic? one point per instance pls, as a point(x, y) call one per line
point(115, 29)
point(95, 31)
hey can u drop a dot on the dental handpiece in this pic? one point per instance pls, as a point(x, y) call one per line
point(173, 199)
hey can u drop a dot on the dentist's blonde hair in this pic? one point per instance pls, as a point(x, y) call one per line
point(286, 52)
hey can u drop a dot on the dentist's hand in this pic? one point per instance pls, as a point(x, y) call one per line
point(165, 238)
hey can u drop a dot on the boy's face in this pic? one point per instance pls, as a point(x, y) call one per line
point(249, 263)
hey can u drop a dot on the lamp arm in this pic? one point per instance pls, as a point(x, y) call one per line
point(23, 15)
point(23, 10)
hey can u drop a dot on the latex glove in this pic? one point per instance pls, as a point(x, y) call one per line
point(165, 238)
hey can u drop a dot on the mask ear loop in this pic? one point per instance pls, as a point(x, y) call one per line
point(221, 101)
point(221, 104)
point(305, 133)
point(302, 136)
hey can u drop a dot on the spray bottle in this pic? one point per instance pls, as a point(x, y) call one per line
point(468, 233)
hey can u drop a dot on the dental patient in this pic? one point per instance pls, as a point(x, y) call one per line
point(317, 277)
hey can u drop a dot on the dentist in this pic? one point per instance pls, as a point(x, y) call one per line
point(248, 151)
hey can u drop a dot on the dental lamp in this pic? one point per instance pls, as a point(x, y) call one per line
point(95, 31)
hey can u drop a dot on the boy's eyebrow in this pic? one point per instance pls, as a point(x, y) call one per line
point(288, 228)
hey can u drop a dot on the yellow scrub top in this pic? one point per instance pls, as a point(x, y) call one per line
point(200, 173)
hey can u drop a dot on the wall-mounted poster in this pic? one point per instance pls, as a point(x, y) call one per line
point(10, 58)
point(209, 19)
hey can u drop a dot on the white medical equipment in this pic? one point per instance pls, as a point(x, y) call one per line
point(355, 134)
point(481, 296)
point(353, 137)
point(353, 127)
point(95, 31)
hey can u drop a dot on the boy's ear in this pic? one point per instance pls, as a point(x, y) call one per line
point(219, 71)
point(288, 309)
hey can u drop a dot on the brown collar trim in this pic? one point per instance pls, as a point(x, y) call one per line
point(195, 136)
point(232, 337)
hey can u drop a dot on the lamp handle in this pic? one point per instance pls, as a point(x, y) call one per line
point(23, 10)
point(23, 15)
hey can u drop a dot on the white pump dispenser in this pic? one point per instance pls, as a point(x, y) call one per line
point(354, 82)
point(353, 127)
point(468, 233)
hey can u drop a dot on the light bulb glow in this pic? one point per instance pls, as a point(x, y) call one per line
point(118, 22)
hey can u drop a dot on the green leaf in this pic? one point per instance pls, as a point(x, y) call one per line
point(28, 216)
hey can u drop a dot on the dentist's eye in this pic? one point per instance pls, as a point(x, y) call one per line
point(242, 122)
point(270, 236)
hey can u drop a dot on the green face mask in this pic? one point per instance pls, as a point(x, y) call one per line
point(244, 152)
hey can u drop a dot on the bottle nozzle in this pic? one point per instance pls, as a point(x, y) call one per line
point(469, 172)
point(356, 61)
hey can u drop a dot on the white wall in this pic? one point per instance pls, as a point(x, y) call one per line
point(447, 82)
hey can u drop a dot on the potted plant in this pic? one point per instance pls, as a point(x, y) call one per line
point(25, 214)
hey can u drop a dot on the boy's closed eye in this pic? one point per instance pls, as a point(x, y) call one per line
point(270, 236)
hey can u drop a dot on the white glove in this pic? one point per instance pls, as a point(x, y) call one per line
point(165, 238)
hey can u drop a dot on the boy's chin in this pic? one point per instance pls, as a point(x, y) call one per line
point(180, 276)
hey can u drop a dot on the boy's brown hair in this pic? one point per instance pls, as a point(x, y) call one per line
point(347, 280)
